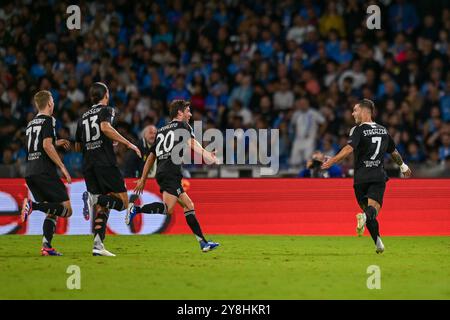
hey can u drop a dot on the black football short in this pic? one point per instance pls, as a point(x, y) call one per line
point(104, 180)
point(170, 183)
point(372, 190)
point(47, 188)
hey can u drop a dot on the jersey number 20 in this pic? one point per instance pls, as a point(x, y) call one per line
point(165, 142)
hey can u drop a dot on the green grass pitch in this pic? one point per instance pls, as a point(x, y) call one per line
point(243, 267)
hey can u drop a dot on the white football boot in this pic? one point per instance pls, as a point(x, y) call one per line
point(361, 222)
point(99, 248)
point(89, 201)
point(380, 246)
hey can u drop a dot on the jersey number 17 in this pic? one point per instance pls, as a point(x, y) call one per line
point(29, 134)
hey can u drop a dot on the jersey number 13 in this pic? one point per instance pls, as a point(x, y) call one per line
point(92, 126)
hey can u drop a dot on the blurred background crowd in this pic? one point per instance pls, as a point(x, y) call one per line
point(297, 66)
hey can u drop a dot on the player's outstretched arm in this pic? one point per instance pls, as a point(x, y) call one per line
point(112, 133)
point(404, 169)
point(140, 184)
point(49, 148)
point(210, 157)
point(344, 153)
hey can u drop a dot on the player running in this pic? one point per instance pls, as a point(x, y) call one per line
point(104, 183)
point(41, 175)
point(168, 173)
point(369, 142)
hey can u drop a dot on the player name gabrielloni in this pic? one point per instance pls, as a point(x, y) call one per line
point(372, 132)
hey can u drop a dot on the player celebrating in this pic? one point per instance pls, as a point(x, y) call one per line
point(40, 171)
point(369, 142)
point(104, 182)
point(168, 174)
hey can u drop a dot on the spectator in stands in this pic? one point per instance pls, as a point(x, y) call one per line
point(283, 98)
point(444, 150)
point(133, 166)
point(403, 17)
point(243, 91)
point(305, 123)
point(299, 30)
point(332, 20)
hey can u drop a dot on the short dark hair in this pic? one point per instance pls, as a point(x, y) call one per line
point(178, 105)
point(368, 104)
point(97, 91)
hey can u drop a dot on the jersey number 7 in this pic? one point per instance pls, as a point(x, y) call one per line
point(376, 140)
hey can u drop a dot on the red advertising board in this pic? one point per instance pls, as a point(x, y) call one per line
point(260, 206)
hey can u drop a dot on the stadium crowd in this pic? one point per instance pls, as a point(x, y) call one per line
point(297, 66)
